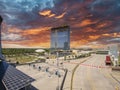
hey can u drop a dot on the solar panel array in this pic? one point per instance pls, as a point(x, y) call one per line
point(15, 79)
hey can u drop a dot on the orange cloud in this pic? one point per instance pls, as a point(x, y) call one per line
point(79, 43)
point(114, 35)
point(31, 32)
point(106, 34)
point(85, 22)
point(60, 16)
point(37, 37)
point(14, 30)
point(35, 31)
point(101, 25)
point(94, 37)
point(42, 44)
point(104, 24)
point(45, 13)
point(25, 44)
point(89, 30)
point(51, 15)
point(32, 37)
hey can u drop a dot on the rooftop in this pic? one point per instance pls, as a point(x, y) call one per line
point(11, 78)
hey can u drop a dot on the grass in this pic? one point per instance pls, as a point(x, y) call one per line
point(21, 55)
point(21, 59)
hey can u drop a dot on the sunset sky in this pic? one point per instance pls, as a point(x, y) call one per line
point(27, 23)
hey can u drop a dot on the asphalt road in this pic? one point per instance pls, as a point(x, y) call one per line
point(93, 74)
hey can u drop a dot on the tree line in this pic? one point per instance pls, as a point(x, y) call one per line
point(15, 51)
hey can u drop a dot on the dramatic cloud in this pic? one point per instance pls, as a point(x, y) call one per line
point(11, 37)
point(60, 16)
point(92, 22)
point(45, 13)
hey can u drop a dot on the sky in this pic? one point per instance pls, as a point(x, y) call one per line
point(27, 23)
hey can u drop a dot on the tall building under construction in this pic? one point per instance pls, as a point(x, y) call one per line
point(60, 38)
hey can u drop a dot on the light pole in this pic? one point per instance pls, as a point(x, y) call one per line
point(57, 54)
point(118, 57)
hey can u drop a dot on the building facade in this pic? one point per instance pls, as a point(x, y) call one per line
point(60, 38)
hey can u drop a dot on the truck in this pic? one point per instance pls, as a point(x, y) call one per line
point(108, 60)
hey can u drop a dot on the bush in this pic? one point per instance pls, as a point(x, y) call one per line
point(17, 62)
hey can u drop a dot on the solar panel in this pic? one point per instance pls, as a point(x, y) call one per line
point(15, 79)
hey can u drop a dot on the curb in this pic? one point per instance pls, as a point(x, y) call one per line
point(115, 78)
point(62, 84)
point(116, 68)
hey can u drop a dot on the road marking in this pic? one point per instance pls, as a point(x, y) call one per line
point(91, 65)
point(71, 85)
point(95, 66)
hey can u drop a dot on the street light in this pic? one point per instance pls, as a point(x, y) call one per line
point(57, 54)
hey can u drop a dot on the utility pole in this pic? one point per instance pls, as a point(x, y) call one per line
point(57, 54)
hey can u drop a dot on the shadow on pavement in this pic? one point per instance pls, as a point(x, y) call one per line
point(33, 88)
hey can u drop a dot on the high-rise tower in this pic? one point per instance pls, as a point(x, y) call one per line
point(60, 38)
